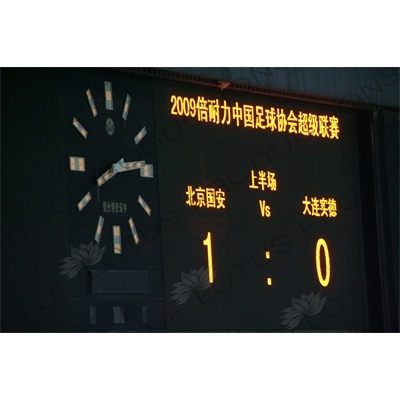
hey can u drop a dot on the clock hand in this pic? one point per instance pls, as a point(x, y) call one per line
point(146, 170)
point(105, 177)
point(108, 174)
point(127, 166)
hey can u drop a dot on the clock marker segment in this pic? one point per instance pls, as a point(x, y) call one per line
point(144, 205)
point(91, 102)
point(108, 93)
point(80, 128)
point(84, 201)
point(126, 107)
point(147, 171)
point(105, 177)
point(117, 239)
point(99, 229)
point(140, 135)
point(133, 230)
point(77, 164)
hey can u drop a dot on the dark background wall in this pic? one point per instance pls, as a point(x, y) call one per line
point(379, 86)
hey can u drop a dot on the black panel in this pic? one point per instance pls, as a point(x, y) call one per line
point(120, 281)
point(217, 156)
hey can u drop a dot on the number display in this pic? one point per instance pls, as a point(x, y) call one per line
point(323, 281)
point(207, 242)
point(183, 106)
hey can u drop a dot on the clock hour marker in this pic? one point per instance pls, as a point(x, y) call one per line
point(147, 171)
point(140, 135)
point(269, 281)
point(91, 102)
point(126, 107)
point(117, 239)
point(84, 201)
point(100, 224)
point(144, 205)
point(79, 127)
point(133, 230)
point(77, 164)
point(108, 93)
point(267, 255)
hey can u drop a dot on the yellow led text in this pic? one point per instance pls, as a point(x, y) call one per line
point(256, 117)
point(205, 197)
point(262, 180)
point(265, 209)
point(207, 243)
point(320, 207)
point(323, 281)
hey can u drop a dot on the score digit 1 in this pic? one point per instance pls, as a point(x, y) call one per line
point(207, 242)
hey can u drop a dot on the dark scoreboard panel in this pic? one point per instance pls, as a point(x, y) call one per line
point(142, 204)
point(263, 201)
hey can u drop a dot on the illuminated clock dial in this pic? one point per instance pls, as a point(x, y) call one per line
point(111, 187)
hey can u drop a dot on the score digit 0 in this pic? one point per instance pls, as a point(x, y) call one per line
point(322, 281)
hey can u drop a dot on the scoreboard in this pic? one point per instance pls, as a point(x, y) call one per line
point(263, 197)
point(137, 203)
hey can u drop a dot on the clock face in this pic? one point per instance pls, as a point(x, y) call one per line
point(112, 181)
